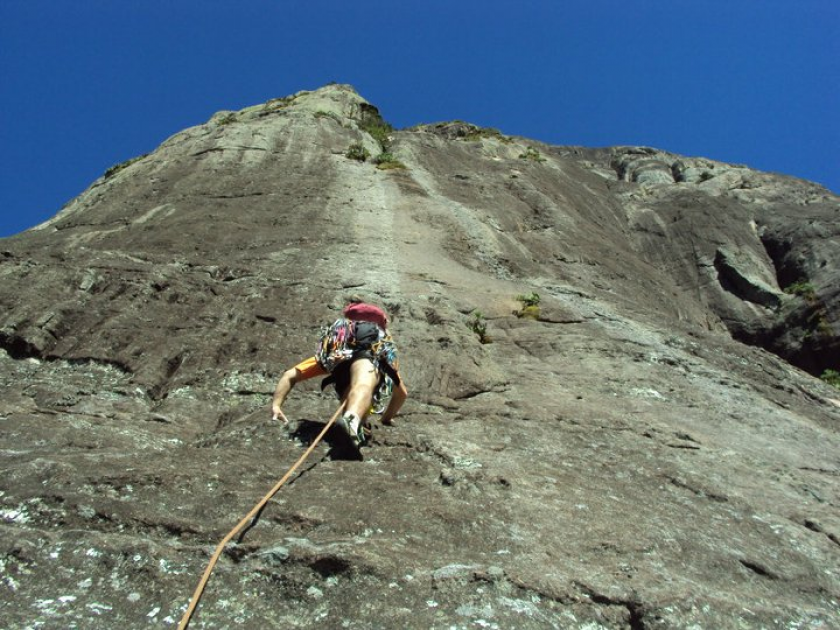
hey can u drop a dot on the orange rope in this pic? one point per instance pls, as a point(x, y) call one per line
point(185, 620)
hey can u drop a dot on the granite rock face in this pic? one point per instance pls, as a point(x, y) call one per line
point(645, 450)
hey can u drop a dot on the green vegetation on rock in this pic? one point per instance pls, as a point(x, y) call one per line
point(479, 133)
point(832, 377)
point(118, 167)
point(803, 289)
point(531, 154)
point(357, 151)
point(478, 325)
point(373, 123)
point(530, 306)
point(386, 161)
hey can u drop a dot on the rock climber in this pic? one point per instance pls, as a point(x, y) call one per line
point(360, 359)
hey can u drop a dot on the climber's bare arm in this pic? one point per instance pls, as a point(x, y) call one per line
point(397, 399)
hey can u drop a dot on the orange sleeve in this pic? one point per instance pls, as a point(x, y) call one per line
point(310, 368)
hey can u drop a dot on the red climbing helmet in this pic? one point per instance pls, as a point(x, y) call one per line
point(363, 312)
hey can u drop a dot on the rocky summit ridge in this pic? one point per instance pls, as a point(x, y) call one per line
point(614, 421)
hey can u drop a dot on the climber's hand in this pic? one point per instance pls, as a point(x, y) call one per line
point(277, 414)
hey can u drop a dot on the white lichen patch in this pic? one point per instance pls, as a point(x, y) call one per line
point(17, 515)
point(85, 511)
point(520, 606)
point(471, 610)
point(652, 394)
point(98, 609)
point(314, 592)
point(11, 582)
point(464, 463)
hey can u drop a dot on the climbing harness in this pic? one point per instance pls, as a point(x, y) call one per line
point(185, 620)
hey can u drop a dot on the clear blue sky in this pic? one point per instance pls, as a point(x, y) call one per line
point(87, 84)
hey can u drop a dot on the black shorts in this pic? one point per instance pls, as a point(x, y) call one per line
point(340, 377)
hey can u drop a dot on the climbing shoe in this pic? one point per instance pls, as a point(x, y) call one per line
point(357, 436)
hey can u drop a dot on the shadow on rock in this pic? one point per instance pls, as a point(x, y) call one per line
point(339, 442)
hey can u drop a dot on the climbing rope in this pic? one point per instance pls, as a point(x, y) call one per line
point(185, 620)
